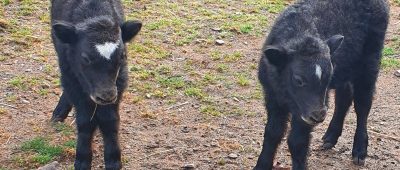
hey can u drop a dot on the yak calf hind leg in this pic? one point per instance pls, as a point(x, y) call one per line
point(363, 94)
point(62, 109)
point(343, 100)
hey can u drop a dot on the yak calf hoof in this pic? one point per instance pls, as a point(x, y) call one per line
point(56, 119)
point(327, 145)
point(358, 161)
point(82, 165)
point(114, 166)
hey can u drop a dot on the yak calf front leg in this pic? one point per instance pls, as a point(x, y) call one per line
point(274, 131)
point(108, 119)
point(83, 158)
point(299, 141)
point(86, 128)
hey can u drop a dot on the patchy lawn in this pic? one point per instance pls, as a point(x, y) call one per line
point(189, 101)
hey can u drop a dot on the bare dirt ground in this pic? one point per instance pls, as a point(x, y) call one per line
point(190, 101)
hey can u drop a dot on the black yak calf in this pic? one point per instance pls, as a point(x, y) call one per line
point(316, 45)
point(89, 37)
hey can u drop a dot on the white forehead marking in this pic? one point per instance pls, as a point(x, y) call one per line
point(107, 49)
point(318, 71)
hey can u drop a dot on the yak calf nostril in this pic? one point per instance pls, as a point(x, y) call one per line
point(106, 97)
point(318, 116)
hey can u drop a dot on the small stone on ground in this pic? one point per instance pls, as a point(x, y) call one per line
point(220, 42)
point(397, 73)
point(217, 29)
point(233, 156)
point(188, 166)
point(52, 166)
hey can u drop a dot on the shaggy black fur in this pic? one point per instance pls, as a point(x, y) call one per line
point(308, 34)
point(92, 83)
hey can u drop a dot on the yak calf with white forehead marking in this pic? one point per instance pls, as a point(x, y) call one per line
point(89, 37)
point(316, 45)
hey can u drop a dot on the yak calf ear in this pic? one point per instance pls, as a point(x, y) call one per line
point(334, 43)
point(277, 56)
point(130, 29)
point(65, 31)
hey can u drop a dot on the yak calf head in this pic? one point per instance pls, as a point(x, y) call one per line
point(96, 52)
point(303, 69)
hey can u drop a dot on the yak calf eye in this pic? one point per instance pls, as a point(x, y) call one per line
point(299, 81)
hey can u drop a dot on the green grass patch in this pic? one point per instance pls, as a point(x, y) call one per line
point(236, 56)
point(137, 99)
point(164, 69)
point(194, 92)
point(21, 32)
point(44, 152)
point(176, 82)
point(64, 128)
point(155, 25)
point(257, 94)
point(210, 78)
point(48, 69)
point(222, 67)
point(387, 51)
point(163, 93)
point(43, 92)
point(5, 2)
point(45, 18)
point(148, 50)
point(246, 28)
point(390, 63)
point(210, 110)
point(26, 10)
point(56, 82)
point(41, 159)
point(144, 87)
point(215, 55)
point(186, 37)
point(273, 6)
point(397, 2)
point(144, 74)
point(276, 8)
point(22, 82)
point(242, 80)
point(236, 111)
point(70, 144)
point(25, 7)
point(3, 58)
point(241, 22)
